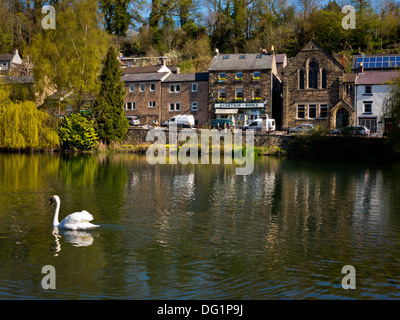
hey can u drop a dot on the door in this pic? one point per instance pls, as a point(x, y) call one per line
point(342, 118)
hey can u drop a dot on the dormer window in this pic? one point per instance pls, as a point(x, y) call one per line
point(226, 57)
point(242, 56)
point(259, 56)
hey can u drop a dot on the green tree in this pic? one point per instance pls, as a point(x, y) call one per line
point(68, 58)
point(23, 126)
point(111, 124)
point(391, 112)
point(77, 133)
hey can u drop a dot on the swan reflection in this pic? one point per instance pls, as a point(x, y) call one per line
point(77, 238)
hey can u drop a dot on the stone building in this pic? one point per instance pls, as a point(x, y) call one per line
point(314, 90)
point(242, 87)
point(185, 93)
point(155, 93)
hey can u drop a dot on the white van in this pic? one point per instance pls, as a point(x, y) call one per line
point(181, 120)
point(257, 125)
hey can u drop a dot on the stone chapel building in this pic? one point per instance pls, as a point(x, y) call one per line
point(314, 90)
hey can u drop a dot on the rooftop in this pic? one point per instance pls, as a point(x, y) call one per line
point(243, 61)
point(155, 76)
point(376, 61)
point(376, 77)
point(191, 77)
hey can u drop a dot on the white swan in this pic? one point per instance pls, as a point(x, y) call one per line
point(74, 221)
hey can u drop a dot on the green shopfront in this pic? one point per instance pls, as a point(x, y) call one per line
point(239, 113)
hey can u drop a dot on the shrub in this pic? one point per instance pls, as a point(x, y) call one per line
point(77, 133)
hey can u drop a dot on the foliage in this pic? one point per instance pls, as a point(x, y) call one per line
point(77, 133)
point(68, 58)
point(391, 109)
point(23, 126)
point(111, 124)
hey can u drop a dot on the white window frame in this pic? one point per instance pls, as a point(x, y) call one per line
point(142, 87)
point(195, 87)
point(370, 89)
point(315, 105)
point(297, 111)
point(133, 105)
point(320, 111)
point(195, 106)
point(173, 88)
point(364, 105)
point(152, 104)
point(175, 106)
point(131, 87)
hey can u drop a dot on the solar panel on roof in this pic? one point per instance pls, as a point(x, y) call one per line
point(372, 65)
point(379, 65)
point(379, 59)
point(385, 64)
point(373, 59)
point(359, 60)
point(385, 59)
point(366, 65)
point(392, 58)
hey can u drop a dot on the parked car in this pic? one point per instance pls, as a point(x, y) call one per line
point(221, 124)
point(133, 120)
point(257, 125)
point(352, 131)
point(302, 128)
point(181, 120)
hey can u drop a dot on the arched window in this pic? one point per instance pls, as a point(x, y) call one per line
point(301, 79)
point(313, 74)
point(323, 78)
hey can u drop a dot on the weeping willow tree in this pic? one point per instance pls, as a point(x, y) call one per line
point(23, 126)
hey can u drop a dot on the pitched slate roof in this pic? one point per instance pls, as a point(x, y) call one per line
point(145, 69)
point(6, 56)
point(376, 77)
point(244, 61)
point(188, 77)
point(155, 76)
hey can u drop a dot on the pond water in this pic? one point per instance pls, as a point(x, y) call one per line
point(199, 231)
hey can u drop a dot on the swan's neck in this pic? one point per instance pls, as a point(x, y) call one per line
point(55, 219)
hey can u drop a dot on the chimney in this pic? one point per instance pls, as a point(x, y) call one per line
point(15, 51)
point(264, 51)
point(360, 68)
point(164, 61)
point(216, 52)
point(343, 61)
point(272, 49)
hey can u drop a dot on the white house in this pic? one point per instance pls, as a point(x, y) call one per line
point(8, 60)
point(371, 89)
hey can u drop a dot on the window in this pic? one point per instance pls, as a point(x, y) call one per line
point(369, 123)
point(257, 94)
point(368, 90)
point(142, 87)
point(301, 111)
point(152, 87)
point(130, 105)
point(194, 106)
point(239, 75)
point(349, 89)
point(174, 106)
point(194, 87)
point(367, 106)
point(259, 56)
point(301, 79)
point(256, 75)
point(152, 104)
point(312, 111)
point(222, 77)
point(132, 87)
point(174, 88)
point(242, 56)
point(323, 84)
point(323, 111)
point(222, 95)
point(313, 75)
point(239, 94)
point(226, 57)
